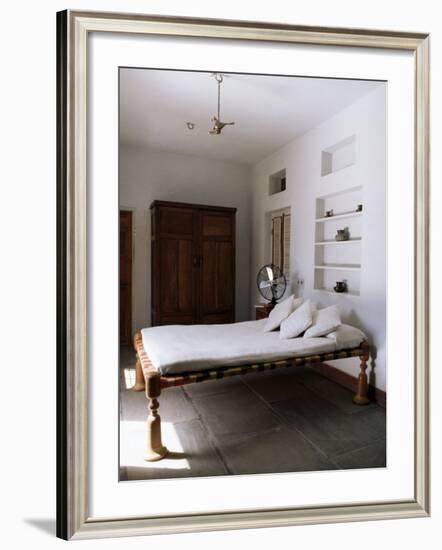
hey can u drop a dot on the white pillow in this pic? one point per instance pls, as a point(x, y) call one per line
point(280, 312)
point(297, 302)
point(324, 321)
point(347, 336)
point(297, 322)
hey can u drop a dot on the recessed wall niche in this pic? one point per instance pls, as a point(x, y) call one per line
point(277, 182)
point(336, 259)
point(338, 156)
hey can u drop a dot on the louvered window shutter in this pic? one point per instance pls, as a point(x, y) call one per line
point(286, 245)
point(277, 241)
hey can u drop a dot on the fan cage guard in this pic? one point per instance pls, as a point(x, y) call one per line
point(278, 275)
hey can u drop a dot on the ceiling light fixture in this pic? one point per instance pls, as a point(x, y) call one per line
point(190, 125)
point(218, 125)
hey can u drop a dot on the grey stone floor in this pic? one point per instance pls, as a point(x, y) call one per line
point(288, 420)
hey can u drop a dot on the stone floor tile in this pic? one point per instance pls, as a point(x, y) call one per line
point(273, 451)
point(333, 431)
point(233, 412)
point(371, 456)
point(339, 396)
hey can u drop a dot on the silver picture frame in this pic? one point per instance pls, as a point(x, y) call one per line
point(73, 518)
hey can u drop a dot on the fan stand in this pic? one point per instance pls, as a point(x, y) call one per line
point(273, 300)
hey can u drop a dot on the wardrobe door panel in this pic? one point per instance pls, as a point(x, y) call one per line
point(174, 221)
point(177, 297)
point(167, 274)
point(186, 302)
point(209, 277)
point(226, 275)
point(217, 225)
point(217, 281)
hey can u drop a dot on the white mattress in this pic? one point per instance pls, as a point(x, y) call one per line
point(175, 349)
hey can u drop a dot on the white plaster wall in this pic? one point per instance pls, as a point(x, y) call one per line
point(148, 176)
point(302, 160)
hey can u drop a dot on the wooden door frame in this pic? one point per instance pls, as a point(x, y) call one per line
point(132, 210)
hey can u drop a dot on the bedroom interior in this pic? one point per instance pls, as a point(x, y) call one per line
point(285, 203)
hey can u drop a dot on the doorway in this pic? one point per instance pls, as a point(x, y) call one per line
point(126, 258)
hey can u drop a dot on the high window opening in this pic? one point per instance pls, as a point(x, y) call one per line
point(277, 182)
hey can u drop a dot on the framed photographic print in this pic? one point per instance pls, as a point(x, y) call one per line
point(242, 274)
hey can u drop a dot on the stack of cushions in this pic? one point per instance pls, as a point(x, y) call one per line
point(281, 311)
point(295, 317)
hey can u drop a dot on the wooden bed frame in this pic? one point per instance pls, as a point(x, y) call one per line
point(149, 379)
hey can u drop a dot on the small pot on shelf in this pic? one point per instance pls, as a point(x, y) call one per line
point(342, 234)
point(341, 286)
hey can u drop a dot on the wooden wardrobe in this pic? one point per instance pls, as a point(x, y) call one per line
point(193, 264)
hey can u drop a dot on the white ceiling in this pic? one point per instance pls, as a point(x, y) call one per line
point(269, 111)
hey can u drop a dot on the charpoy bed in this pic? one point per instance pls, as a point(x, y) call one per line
point(169, 356)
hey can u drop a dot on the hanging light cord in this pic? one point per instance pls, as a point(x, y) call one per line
point(219, 79)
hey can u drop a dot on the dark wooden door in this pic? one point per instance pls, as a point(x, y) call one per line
point(125, 277)
point(217, 268)
point(173, 267)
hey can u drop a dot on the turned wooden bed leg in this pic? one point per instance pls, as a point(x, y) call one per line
point(140, 384)
point(361, 397)
point(155, 449)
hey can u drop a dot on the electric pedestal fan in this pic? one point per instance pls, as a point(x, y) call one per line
point(271, 283)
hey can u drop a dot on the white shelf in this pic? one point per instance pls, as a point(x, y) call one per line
point(339, 216)
point(342, 267)
point(331, 291)
point(344, 262)
point(348, 241)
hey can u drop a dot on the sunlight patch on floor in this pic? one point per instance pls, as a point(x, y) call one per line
point(132, 446)
point(129, 377)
